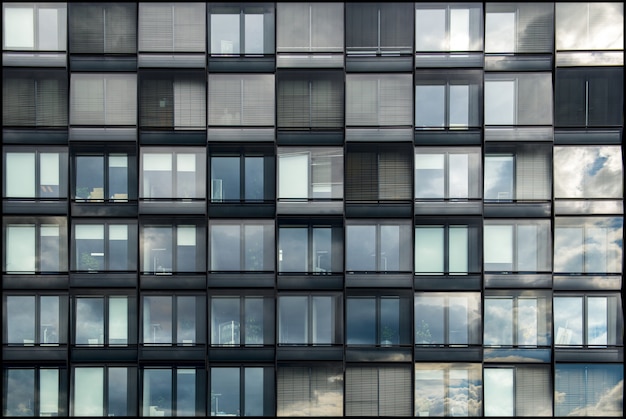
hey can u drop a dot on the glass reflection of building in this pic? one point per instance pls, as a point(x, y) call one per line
point(312, 209)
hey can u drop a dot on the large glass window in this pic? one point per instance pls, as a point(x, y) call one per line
point(103, 28)
point(171, 248)
point(172, 320)
point(38, 173)
point(105, 177)
point(33, 391)
point(310, 27)
point(35, 26)
point(241, 30)
point(589, 389)
point(518, 391)
point(172, 27)
point(378, 99)
point(171, 391)
point(448, 389)
point(35, 245)
point(447, 318)
point(518, 99)
point(108, 246)
point(589, 96)
point(102, 321)
point(246, 245)
point(35, 320)
point(378, 320)
point(519, 319)
point(103, 99)
point(517, 246)
point(169, 174)
point(379, 28)
point(448, 99)
point(34, 98)
point(518, 173)
point(242, 391)
point(447, 173)
point(378, 391)
point(310, 173)
point(241, 100)
point(310, 100)
point(103, 391)
point(594, 320)
point(315, 248)
point(589, 26)
point(588, 172)
point(519, 27)
point(239, 321)
point(242, 176)
point(378, 173)
point(309, 319)
point(309, 391)
point(449, 249)
point(453, 27)
point(590, 245)
point(383, 246)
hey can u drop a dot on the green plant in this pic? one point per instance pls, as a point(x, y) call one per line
point(422, 333)
point(388, 334)
point(88, 262)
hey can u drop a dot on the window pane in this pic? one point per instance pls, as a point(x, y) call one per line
point(51, 249)
point(500, 32)
point(186, 176)
point(225, 179)
point(361, 321)
point(499, 392)
point(293, 325)
point(568, 320)
point(458, 249)
point(459, 29)
point(89, 177)
point(322, 321)
point(88, 392)
point(430, 106)
point(121, 253)
point(527, 248)
point(225, 392)
point(186, 248)
point(157, 242)
point(89, 242)
point(500, 102)
point(254, 321)
point(225, 317)
point(157, 392)
point(429, 319)
point(389, 248)
point(258, 256)
point(186, 320)
point(49, 30)
point(254, 178)
point(498, 321)
point(527, 321)
point(430, 392)
point(430, 30)
point(429, 176)
point(322, 253)
point(293, 175)
point(19, 28)
point(20, 174)
point(225, 34)
point(389, 321)
point(254, 391)
point(20, 248)
point(119, 397)
point(459, 312)
point(589, 389)
point(498, 247)
point(157, 320)
point(157, 175)
point(118, 176)
point(597, 326)
point(253, 34)
point(20, 324)
point(225, 248)
point(361, 248)
point(459, 106)
point(20, 392)
point(186, 392)
point(499, 177)
point(49, 320)
point(49, 174)
point(90, 321)
point(118, 320)
point(429, 249)
point(49, 392)
point(293, 250)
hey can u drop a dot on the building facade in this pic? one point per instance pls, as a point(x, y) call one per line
point(312, 209)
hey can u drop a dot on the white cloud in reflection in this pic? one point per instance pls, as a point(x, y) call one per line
point(587, 172)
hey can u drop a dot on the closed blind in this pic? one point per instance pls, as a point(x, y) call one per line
point(394, 391)
point(35, 98)
point(533, 173)
point(535, 27)
point(294, 390)
point(172, 27)
point(189, 103)
point(379, 100)
point(103, 28)
point(157, 103)
point(362, 176)
point(532, 392)
point(309, 27)
point(18, 101)
point(361, 391)
point(394, 173)
point(241, 100)
point(98, 99)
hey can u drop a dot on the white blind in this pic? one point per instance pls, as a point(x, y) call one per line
point(429, 249)
point(157, 162)
point(293, 175)
point(19, 29)
point(361, 391)
point(172, 27)
point(310, 27)
point(49, 392)
point(533, 392)
point(89, 232)
point(98, 99)
point(88, 391)
point(379, 100)
point(20, 248)
point(394, 391)
point(49, 169)
point(189, 103)
point(458, 249)
point(118, 320)
point(533, 173)
point(20, 175)
point(498, 244)
point(121, 99)
point(246, 99)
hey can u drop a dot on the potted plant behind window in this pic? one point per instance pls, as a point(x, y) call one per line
point(422, 333)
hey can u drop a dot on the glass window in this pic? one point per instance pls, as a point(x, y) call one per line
point(103, 99)
point(35, 26)
point(310, 173)
point(378, 391)
point(519, 27)
point(517, 246)
point(242, 176)
point(309, 320)
point(241, 100)
point(241, 245)
point(103, 28)
point(378, 321)
point(448, 389)
point(448, 99)
point(239, 321)
point(315, 248)
point(103, 391)
point(35, 320)
point(171, 248)
point(242, 391)
point(378, 99)
point(172, 320)
point(589, 389)
point(518, 99)
point(241, 30)
point(588, 172)
point(517, 319)
point(378, 246)
point(447, 173)
point(171, 391)
point(447, 318)
point(589, 26)
point(518, 173)
point(589, 97)
point(309, 391)
point(453, 27)
point(172, 174)
point(310, 27)
point(102, 320)
point(310, 100)
point(35, 173)
point(172, 27)
point(379, 28)
point(33, 392)
point(590, 245)
point(105, 247)
point(104, 177)
point(35, 245)
point(589, 320)
point(378, 173)
point(518, 391)
point(34, 98)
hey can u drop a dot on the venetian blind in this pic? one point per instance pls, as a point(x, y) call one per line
point(172, 27)
point(309, 27)
point(103, 28)
point(379, 100)
point(98, 99)
point(532, 392)
point(533, 172)
point(35, 98)
point(241, 99)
